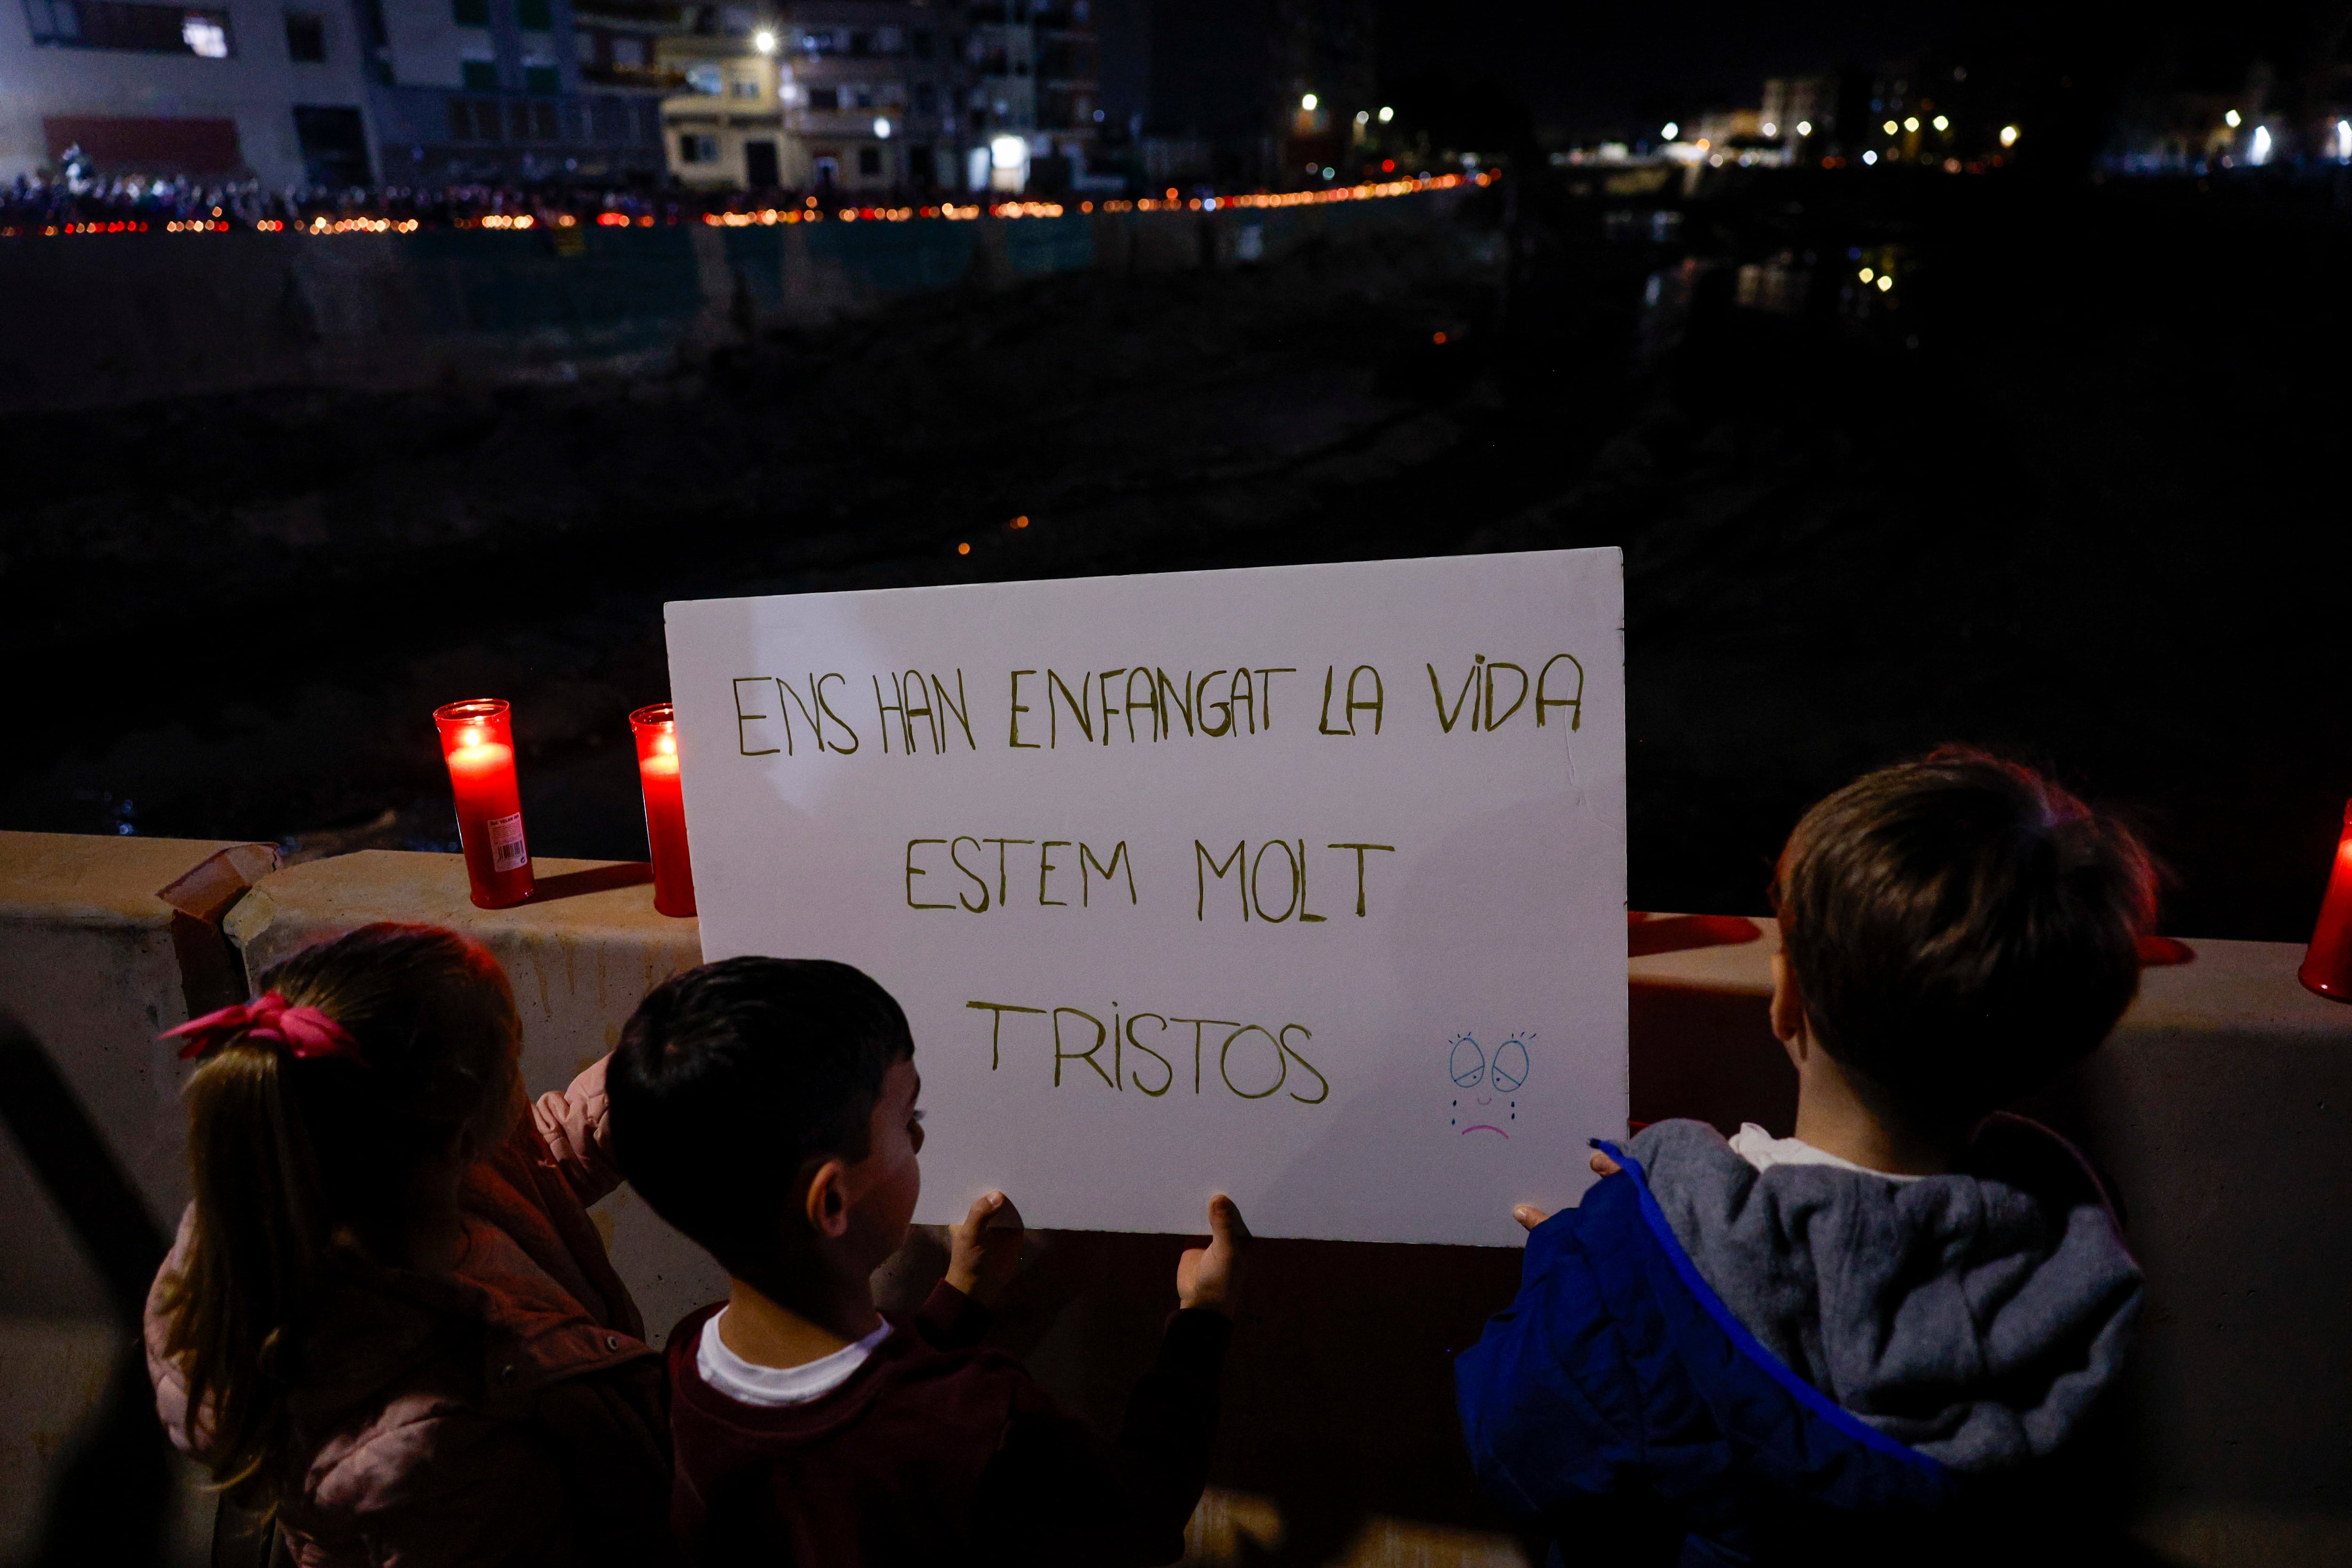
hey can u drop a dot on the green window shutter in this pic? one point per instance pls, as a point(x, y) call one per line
point(534, 15)
point(542, 79)
point(481, 76)
point(471, 12)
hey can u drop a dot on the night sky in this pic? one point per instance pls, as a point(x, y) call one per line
point(1584, 68)
point(1590, 68)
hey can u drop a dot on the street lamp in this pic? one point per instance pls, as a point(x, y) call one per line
point(764, 41)
point(1308, 102)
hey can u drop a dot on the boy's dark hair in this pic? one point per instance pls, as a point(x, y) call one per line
point(733, 1080)
point(1962, 931)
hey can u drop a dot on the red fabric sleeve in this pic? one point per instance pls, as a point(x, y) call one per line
point(951, 1320)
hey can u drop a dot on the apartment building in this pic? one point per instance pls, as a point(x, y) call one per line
point(855, 96)
point(210, 90)
point(517, 90)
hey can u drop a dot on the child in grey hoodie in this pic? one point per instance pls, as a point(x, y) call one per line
point(1859, 1338)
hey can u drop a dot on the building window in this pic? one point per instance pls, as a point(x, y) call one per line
point(922, 42)
point(541, 78)
point(144, 29)
point(927, 97)
point(863, 94)
point(470, 13)
point(333, 141)
point(610, 118)
point(824, 98)
point(205, 33)
point(544, 123)
point(306, 38)
point(534, 15)
point(706, 78)
point(869, 161)
point(693, 148)
point(473, 120)
point(479, 76)
point(744, 86)
point(629, 51)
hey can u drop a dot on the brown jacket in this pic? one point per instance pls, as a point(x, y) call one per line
point(509, 1412)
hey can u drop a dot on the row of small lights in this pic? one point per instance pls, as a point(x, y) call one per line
point(2259, 148)
point(265, 226)
point(1174, 200)
point(810, 213)
point(1941, 123)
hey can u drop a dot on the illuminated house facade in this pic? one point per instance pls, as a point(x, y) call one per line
point(851, 96)
point(213, 90)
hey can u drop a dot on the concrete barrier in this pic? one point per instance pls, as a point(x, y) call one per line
point(89, 322)
point(2219, 1107)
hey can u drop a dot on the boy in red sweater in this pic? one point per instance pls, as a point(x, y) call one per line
point(766, 1108)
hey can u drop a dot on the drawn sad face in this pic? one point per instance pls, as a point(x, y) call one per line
point(1485, 1099)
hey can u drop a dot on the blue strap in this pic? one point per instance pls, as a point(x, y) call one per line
point(1747, 1344)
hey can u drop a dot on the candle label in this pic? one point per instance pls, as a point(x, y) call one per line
point(506, 851)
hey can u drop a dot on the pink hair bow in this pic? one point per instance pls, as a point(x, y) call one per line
point(305, 1032)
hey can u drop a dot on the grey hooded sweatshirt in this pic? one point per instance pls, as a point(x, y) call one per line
point(1975, 1316)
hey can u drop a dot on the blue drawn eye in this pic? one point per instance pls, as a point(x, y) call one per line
point(1510, 1065)
point(1468, 1062)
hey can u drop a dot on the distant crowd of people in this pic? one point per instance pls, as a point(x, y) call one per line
point(76, 199)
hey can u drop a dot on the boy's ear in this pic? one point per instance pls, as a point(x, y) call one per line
point(828, 1200)
point(1788, 1010)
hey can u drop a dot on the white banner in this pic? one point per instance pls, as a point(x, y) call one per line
point(1302, 883)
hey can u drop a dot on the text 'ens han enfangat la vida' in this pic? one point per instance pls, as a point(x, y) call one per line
point(1267, 882)
point(917, 712)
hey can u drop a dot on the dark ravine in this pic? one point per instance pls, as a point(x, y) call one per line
point(2067, 500)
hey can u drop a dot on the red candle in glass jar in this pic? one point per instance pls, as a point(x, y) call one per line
point(2328, 961)
point(478, 746)
point(656, 733)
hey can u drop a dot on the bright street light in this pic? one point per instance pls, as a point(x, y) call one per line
point(881, 128)
point(1671, 130)
point(1890, 128)
point(2232, 120)
point(1308, 102)
point(764, 41)
point(1007, 153)
point(2008, 135)
point(1912, 123)
point(1387, 115)
point(1942, 123)
point(1804, 128)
